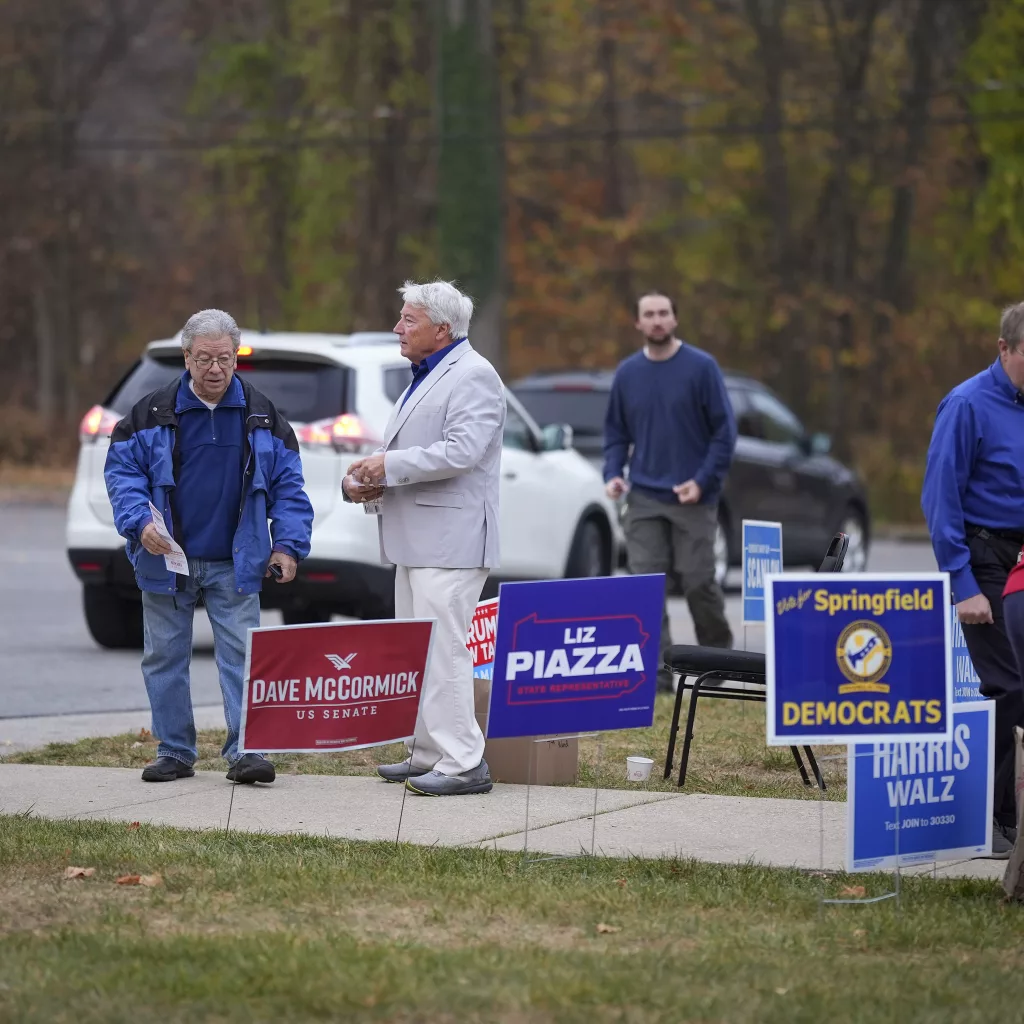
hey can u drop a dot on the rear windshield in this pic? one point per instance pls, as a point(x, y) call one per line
point(301, 391)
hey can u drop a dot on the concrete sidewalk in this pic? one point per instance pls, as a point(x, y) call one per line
point(31, 732)
point(629, 823)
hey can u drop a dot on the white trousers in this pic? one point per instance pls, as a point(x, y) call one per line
point(448, 738)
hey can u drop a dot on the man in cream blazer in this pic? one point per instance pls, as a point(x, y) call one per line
point(434, 486)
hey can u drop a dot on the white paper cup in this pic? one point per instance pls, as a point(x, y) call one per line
point(638, 769)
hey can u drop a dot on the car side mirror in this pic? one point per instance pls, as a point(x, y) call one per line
point(556, 437)
point(820, 444)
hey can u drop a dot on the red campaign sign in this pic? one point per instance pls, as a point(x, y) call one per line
point(481, 632)
point(335, 686)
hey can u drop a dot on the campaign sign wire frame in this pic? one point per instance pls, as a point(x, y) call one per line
point(762, 556)
point(419, 649)
point(814, 664)
point(894, 893)
point(526, 859)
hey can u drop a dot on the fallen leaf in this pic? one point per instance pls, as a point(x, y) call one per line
point(819, 874)
point(621, 883)
point(606, 929)
point(137, 744)
point(853, 891)
point(781, 991)
point(145, 734)
point(151, 881)
point(73, 872)
point(132, 825)
point(129, 880)
point(859, 933)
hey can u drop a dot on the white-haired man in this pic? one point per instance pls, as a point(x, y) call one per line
point(214, 457)
point(435, 482)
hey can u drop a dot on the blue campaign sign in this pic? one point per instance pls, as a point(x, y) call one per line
point(965, 680)
point(576, 656)
point(857, 657)
point(935, 797)
point(762, 555)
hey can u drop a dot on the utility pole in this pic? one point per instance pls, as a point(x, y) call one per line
point(470, 166)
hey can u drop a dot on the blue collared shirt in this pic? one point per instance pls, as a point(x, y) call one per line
point(420, 371)
point(975, 470)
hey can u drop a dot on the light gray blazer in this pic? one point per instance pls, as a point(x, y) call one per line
point(442, 463)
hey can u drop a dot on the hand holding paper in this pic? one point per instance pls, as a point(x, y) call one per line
point(174, 555)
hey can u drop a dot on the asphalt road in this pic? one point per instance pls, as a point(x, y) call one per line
point(51, 666)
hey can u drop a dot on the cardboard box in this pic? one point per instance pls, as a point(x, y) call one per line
point(554, 761)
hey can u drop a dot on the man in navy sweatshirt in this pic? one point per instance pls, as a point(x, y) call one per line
point(216, 461)
point(670, 416)
point(973, 499)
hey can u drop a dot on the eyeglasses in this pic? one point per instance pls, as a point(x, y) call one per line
point(205, 362)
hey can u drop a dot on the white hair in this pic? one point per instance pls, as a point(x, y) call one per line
point(209, 323)
point(443, 303)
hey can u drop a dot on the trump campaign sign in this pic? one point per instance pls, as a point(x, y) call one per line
point(576, 656)
point(857, 657)
point(481, 638)
point(918, 802)
point(335, 686)
point(762, 556)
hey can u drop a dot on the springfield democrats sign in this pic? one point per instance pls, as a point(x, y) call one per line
point(857, 657)
point(576, 656)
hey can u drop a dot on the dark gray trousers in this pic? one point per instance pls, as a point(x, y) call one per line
point(679, 539)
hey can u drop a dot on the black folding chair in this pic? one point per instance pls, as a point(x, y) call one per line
point(710, 667)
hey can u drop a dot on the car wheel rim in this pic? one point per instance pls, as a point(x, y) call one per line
point(856, 551)
point(721, 554)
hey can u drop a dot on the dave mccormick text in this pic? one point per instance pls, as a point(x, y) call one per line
point(350, 696)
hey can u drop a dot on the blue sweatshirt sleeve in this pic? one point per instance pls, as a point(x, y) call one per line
point(951, 455)
point(616, 433)
point(718, 410)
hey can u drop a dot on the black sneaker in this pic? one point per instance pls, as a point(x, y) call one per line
point(167, 769)
point(251, 768)
point(1003, 838)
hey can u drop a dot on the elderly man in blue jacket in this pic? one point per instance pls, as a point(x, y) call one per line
point(216, 460)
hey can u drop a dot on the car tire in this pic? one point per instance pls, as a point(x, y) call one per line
point(114, 622)
point(854, 525)
point(303, 615)
point(590, 553)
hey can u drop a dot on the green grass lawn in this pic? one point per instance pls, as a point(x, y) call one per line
point(729, 755)
point(259, 928)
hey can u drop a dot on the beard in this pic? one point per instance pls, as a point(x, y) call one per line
point(659, 337)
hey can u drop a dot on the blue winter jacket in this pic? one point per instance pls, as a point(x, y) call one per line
point(142, 467)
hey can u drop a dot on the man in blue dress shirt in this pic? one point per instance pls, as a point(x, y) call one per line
point(973, 499)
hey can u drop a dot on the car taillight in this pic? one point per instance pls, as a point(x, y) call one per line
point(345, 433)
point(97, 422)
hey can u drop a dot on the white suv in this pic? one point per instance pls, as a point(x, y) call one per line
point(337, 391)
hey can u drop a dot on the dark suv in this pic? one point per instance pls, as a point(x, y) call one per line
point(779, 472)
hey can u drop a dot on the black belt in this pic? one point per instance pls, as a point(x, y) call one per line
point(984, 532)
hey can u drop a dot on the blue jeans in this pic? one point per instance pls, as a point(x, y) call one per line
point(167, 653)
